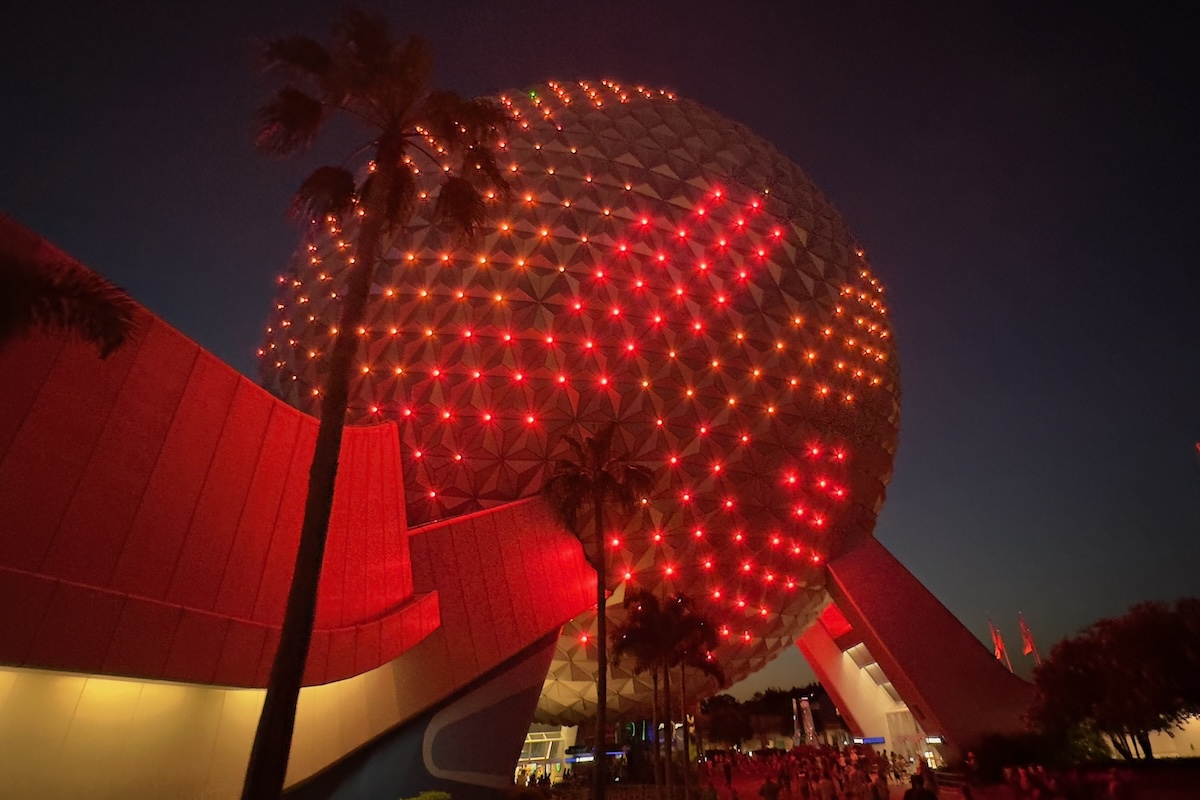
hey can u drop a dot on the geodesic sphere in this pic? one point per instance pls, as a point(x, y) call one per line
point(657, 265)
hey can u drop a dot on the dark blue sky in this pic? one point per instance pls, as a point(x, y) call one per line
point(1025, 179)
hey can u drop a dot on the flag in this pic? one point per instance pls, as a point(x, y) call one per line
point(998, 644)
point(1027, 641)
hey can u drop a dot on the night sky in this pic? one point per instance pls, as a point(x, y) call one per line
point(1025, 180)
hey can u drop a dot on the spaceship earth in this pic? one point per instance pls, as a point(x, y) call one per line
point(661, 266)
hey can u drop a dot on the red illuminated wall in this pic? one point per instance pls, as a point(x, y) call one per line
point(150, 507)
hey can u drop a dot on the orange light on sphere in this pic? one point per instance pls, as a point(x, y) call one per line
point(684, 279)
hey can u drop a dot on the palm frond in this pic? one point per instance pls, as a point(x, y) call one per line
point(460, 206)
point(289, 122)
point(577, 449)
point(299, 56)
point(57, 294)
point(410, 73)
point(478, 159)
point(458, 123)
point(366, 38)
point(483, 120)
point(328, 191)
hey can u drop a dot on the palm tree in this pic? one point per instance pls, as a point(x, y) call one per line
point(43, 290)
point(640, 636)
point(659, 637)
point(382, 85)
point(692, 640)
point(597, 478)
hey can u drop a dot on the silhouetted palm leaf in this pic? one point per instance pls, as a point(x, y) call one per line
point(327, 192)
point(57, 294)
point(460, 205)
point(483, 161)
point(366, 39)
point(301, 56)
point(289, 122)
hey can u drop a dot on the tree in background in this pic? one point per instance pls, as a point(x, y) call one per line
point(382, 86)
point(597, 477)
point(726, 720)
point(1124, 677)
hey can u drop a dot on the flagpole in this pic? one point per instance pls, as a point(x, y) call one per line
point(998, 644)
point(1028, 645)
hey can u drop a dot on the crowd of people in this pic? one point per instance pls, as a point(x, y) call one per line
point(1039, 783)
point(812, 773)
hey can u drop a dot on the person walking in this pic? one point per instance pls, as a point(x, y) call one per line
point(918, 791)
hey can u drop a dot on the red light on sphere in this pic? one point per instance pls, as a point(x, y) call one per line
point(615, 542)
point(628, 575)
point(668, 570)
point(708, 564)
point(583, 638)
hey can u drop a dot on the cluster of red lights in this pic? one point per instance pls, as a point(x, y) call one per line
point(723, 324)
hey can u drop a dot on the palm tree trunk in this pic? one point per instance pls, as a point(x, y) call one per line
point(669, 728)
point(687, 740)
point(267, 768)
point(1143, 740)
point(600, 774)
point(655, 739)
point(1121, 745)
